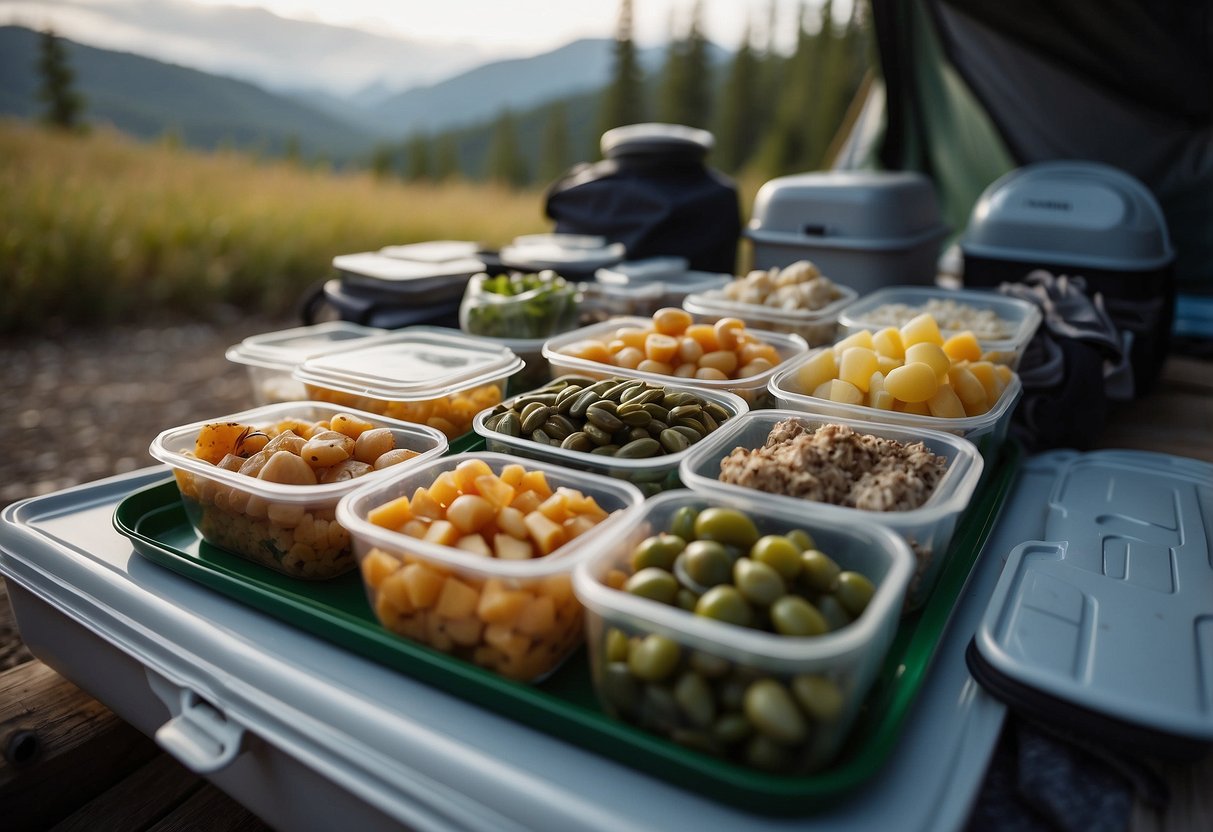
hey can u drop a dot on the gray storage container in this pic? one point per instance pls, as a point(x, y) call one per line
point(863, 229)
point(1081, 219)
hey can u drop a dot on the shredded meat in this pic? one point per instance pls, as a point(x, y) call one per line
point(833, 464)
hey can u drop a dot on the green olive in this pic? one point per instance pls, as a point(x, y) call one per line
point(731, 693)
point(819, 696)
point(683, 523)
point(778, 552)
point(705, 563)
point(792, 615)
point(764, 753)
point(658, 550)
point(732, 728)
point(726, 525)
point(773, 713)
point(620, 688)
point(758, 583)
point(802, 539)
point(658, 707)
point(708, 665)
point(654, 657)
point(725, 603)
point(686, 599)
point(694, 697)
point(653, 583)
point(854, 591)
point(836, 617)
point(818, 570)
point(616, 645)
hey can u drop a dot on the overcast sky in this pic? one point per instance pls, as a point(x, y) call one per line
point(513, 27)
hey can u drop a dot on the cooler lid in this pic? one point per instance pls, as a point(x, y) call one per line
point(1070, 213)
point(1104, 625)
point(829, 206)
point(654, 138)
point(413, 364)
point(287, 348)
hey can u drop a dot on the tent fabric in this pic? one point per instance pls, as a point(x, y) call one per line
point(975, 88)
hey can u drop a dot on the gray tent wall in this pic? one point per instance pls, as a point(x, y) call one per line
point(974, 88)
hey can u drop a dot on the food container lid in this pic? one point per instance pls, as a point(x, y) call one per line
point(288, 348)
point(413, 364)
point(1072, 214)
point(653, 138)
point(705, 304)
point(848, 209)
point(704, 632)
point(171, 447)
point(434, 251)
point(579, 252)
point(1021, 317)
point(1102, 623)
point(642, 271)
point(379, 271)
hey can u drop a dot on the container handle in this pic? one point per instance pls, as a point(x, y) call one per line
point(198, 735)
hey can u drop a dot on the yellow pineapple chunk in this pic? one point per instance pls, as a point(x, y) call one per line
point(820, 367)
point(921, 330)
point(931, 355)
point(856, 367)
point(862, 338)
point(963, 346)
point(888, 342)
point(945, 403)
point(844, 392)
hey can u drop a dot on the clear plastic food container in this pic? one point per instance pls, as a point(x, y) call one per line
point(288, 528)
point(928, 529)
point(753, 390)
point(1003, 325)
point(535, 371)
point(428, 375)
point(815, 326)
point(271, 357)
point(987, 431)
point(518, 618)
point(651, 474)
point(641, 287)
point(775, 702)
point(518, 305)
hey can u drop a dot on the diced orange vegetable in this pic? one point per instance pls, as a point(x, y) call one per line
point(499, 604)
point(494, 490)
point(396, 588)
point(963, 346)
point(424, 584)
point(527, 501)
point(456, 600)
point(443, 533)
point(465, 632)
point(423, 505)
point(537, 482)
point(467, 471)
point(391, 515)
point(470, 512)
point(475, 544)
point(444, 489)
point(377, 565)
point(554, 508)
point(548, 536)
point(512, 475)
point(537, 617)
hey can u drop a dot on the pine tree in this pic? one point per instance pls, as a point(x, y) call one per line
point(739, 122)
point(64, 106)
point(623, 101)
point(417, 158)
point(505, 162)
point(685, 96)
point(554, 144)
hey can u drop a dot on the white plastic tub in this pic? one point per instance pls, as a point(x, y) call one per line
point(753, 390)
point(1003, 325)
point(281, 526)
point(651, 475)
point(718, 657)
point(518, 618)
point(815, 326)
point(928, 529)
point(272, 357)
point(432, 376)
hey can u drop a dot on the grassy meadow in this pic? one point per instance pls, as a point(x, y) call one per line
point(100, 229)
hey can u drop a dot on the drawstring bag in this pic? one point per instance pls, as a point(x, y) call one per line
point(654, 194)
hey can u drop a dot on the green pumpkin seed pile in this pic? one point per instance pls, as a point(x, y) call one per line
point(716, 564)
point(617, 417)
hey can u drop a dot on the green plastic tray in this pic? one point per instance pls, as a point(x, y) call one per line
point(564, 704)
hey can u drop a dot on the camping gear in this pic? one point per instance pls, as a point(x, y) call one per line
point(653, 193)
point(862, 229)
point(1081, 219)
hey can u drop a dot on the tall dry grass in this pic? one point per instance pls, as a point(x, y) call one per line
point(102, 229)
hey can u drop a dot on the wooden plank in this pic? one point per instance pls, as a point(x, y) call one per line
point(61, 747)
point(210, 810)
point(150, 794)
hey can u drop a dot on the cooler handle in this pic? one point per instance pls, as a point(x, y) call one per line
point(198, 735)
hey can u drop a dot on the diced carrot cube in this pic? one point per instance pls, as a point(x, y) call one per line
point(444, 489)
point(424, 505)
point(377, 565)
point(578, 525)
point(537, 617)
point(494, 490)
point(499, 604)
point(465, 631)
point(537, 482)
point(442, 532)
point(554, 508)
point(396, 589)
point(527, 502)
point(424, 584)
point(506, 639)
point(548, 536)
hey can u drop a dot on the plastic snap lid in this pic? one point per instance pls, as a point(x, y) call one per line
point(654, 138)
point(643, 271)
point(412, 364)
point(288, 348)
point(380, 267)
point(433, 251)
point(1070, 213)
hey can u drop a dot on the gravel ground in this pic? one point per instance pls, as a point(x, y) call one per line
point(85, 405)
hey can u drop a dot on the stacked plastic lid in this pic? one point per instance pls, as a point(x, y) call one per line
point(272, 357)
